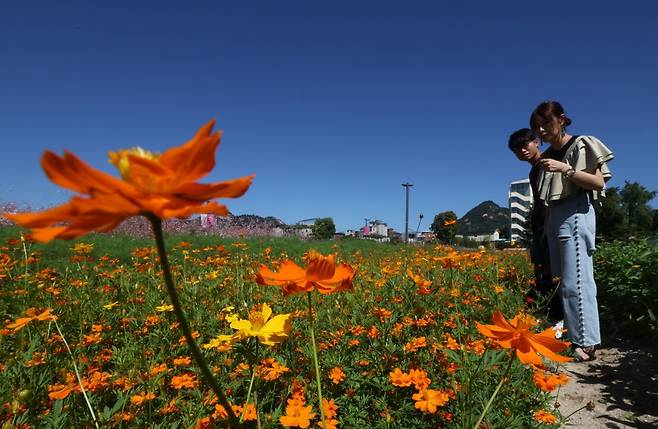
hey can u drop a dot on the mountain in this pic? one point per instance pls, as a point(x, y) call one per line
point(484, 218)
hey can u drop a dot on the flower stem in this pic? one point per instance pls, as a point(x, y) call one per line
point(500, 384)
point(77, 374)
point(315, 358)
point(251, 385)
point(185, 327)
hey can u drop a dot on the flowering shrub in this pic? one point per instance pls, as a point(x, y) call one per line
point(626, 275)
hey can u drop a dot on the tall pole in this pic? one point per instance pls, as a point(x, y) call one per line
point(407, 185)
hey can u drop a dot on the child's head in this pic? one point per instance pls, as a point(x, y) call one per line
point(525, 144)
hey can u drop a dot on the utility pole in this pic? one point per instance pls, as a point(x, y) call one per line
point(407, 185)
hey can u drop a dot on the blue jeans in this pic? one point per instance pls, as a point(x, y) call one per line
point(571, 228)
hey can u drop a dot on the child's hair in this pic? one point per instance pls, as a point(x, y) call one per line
point(520, 138)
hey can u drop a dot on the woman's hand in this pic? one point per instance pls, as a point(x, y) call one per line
point(589, 181)
point(553, 165)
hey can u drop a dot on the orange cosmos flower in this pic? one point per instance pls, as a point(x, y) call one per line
point(544, 416)
point(297, 415)
point(248, 412)
point(159, 185)
point(415, 344)
point(22, 322)
point(271, 369)
point(321, 273)
point(419, 378)
point(59, 391)
point(547, 381)
point(516, 334)
point(139, 399)
point(428, 400)
point(337, 375)
point(185, 381)
point(399, 378)
point(330, 408)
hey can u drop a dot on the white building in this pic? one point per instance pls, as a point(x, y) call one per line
point(494, 236)
point(520, 204)
point(377, 227)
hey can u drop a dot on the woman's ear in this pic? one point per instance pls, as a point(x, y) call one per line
point(563, 119)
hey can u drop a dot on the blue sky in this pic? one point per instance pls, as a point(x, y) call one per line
point(333, 105)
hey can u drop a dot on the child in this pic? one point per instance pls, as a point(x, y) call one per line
point(525, 146)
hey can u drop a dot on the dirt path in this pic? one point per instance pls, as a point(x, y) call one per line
point(622, 384)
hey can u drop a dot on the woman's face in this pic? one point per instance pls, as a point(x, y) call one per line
point(550, 130)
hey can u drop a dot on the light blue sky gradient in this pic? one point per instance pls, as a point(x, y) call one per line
point(331, 104)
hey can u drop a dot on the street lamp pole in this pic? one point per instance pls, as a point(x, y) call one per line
point(407, 185)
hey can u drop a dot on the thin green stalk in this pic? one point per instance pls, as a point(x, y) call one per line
point(500, 384)
point(470, 381)
point(26, 259)
point(315, 358)
point(185, 327)
point(566, 419)
point(77, 374)
point(258, 426)
point(251, 385)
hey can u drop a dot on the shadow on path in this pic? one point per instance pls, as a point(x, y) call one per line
point(627, 371)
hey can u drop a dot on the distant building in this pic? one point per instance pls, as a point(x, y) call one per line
point(425, 236)
point(520, 204)
point(304, 232)
point(377, 227)
point(479, 238)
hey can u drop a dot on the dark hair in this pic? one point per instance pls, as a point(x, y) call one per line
point(520, 138)
point(547, 111)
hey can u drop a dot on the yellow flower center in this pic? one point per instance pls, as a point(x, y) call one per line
point(121, 159)
point(256, 318)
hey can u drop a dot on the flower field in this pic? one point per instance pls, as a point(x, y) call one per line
point(399, 348)
point(105, 331)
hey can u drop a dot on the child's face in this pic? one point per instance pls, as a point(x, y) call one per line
point(529, 151)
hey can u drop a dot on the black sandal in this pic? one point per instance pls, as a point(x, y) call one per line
point(590, 352)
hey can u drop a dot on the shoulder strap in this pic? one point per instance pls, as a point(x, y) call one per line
point(572, 148)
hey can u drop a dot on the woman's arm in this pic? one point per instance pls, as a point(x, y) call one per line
point(590, 181)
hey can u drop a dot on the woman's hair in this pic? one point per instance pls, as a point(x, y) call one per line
point(545, 112)
point(520, 138)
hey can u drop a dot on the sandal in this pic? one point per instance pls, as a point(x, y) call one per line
point(583, 354)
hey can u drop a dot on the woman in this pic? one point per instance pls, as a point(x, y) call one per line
point(574, 180)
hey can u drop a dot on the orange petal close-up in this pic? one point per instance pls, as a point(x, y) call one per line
point(163, 186)
point(321, 273)
point(517, 334)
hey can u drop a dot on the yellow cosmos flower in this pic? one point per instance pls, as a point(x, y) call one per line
point(222, 343)
point(163, 308)
point(111, 305)
point(83, 248)
point(269, 330)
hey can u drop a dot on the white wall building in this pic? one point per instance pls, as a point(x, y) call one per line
point(377, 227)
point(520, 204)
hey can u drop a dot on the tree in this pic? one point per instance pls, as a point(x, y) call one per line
point(323, 229)
point(611, 219)
point(635, 199)
point(626, 211)
point(444, 226)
